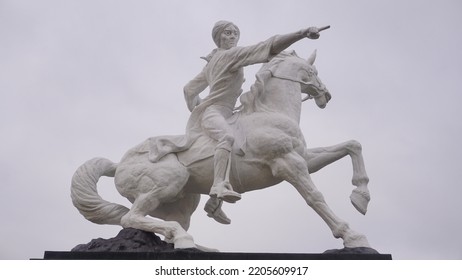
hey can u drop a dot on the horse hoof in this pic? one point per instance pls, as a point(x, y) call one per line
point(207, 249)
point(360, 199)
point(184, 242)
point(355, 240)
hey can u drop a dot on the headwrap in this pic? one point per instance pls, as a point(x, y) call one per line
point(216, 33)
point(218, 29)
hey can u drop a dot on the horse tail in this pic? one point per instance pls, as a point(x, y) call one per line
point(85, 196)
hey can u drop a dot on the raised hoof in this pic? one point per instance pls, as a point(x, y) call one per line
point(360, 199)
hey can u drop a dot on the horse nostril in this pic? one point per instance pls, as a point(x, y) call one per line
point(328, 96)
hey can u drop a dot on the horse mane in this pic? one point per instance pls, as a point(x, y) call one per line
point(251, 100)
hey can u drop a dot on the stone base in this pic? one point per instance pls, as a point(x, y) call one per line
point(127, 240)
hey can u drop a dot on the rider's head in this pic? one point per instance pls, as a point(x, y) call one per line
point(225, 34)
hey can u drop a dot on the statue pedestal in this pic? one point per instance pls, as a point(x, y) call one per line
point(134, 244)
point(198, 255)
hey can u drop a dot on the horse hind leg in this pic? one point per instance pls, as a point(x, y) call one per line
point(153, 194)
point(292, 168)
point(318, 158)
point(180, 211)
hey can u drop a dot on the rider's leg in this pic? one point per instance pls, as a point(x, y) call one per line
point(221, 187)
point(216, 127)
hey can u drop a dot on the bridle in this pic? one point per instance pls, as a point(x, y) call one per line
point(287, 78)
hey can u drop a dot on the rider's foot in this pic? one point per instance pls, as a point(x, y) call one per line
point(213, 209)
point(224, 191)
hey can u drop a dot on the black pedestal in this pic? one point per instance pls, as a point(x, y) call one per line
point(197, 255)
point(134, 244)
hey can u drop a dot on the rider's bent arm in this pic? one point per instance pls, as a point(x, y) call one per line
point(193, 89)
point(282, 42)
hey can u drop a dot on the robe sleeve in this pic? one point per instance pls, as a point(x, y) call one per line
point(244, 56)
point(193, 88)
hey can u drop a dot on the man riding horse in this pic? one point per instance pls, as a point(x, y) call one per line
point(224, 76)
point(164, 176)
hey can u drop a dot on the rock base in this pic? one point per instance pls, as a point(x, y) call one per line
point(128, 240)
point(346, 250)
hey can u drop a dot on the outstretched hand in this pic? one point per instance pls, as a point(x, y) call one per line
point(313, 32)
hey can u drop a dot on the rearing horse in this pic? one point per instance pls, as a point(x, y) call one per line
point(272, 150)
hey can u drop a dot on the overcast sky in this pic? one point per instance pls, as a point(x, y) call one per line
point(87, 78)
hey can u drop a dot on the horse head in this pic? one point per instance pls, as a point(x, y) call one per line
point(304, 72)
point(286, 67)
point(313, 86)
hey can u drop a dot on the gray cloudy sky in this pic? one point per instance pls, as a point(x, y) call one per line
point(80, 79)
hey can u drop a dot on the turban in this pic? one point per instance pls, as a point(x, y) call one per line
point(218, 29)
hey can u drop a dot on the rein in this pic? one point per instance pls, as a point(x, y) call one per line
point(287, 78)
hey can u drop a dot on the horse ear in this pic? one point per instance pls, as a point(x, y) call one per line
point(312, 58)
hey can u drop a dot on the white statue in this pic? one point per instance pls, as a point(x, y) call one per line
point(226, 152)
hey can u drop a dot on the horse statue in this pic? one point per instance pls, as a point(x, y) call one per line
point(271, 149)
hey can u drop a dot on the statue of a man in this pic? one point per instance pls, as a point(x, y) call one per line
point(224, 76)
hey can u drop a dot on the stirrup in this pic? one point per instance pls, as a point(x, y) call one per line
point(224, 194)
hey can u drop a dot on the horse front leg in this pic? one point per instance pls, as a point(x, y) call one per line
point(318, 158)
point(292, 168)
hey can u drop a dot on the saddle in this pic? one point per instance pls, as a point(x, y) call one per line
point(192, 148)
